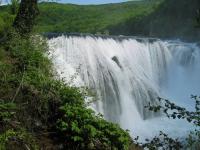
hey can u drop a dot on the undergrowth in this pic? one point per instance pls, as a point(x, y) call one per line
point(33, 103)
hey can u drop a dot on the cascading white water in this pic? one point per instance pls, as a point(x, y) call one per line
point(127, 74)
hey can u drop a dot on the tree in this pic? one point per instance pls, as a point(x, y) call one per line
point(198, 18)
point(25, 19)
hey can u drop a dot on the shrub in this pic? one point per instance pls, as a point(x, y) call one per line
point(45, 104)
point(79, 128)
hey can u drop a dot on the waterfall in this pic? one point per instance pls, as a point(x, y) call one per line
point(125, 74)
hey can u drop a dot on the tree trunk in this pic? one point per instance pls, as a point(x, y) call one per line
point(198, 17)
point(25, 19)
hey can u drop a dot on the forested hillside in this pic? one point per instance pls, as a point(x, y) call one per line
point(157, 18)
point(172, 19)
point(91, 18)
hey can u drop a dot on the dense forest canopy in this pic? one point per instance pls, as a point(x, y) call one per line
point(157, 18)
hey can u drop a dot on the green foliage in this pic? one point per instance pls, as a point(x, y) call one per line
point(163, 142)
point(179, 112)
point(5, 23)
point(31, 81)
point(29, 53)
point(2, 25)
point(14, 6)
point(171, 19)
point(81, 129)
point(156, 18)
point(56, 17)
point(171, 110)
point(18, 140)
point(28, 83)
point(32, 99)
point(143, 18)
point(7, 111)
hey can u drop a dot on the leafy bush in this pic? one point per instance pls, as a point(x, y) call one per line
point(79, 128)
point(56, 108)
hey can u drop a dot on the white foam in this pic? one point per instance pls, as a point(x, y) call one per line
point(125, 75)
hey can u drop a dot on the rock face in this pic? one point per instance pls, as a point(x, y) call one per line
point(116, 60)
point(172, 19)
